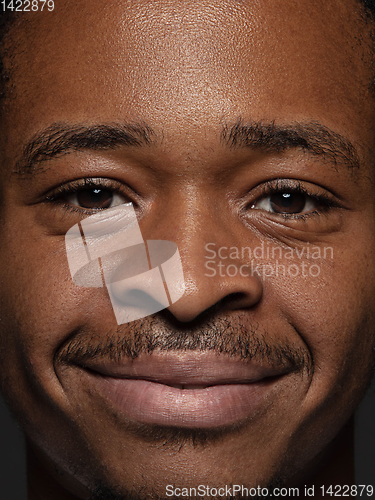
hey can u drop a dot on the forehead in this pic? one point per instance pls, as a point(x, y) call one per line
point(180, 65)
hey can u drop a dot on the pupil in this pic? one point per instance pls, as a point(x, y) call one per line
point(288, 203)
point(287, 200)
point(95, 198)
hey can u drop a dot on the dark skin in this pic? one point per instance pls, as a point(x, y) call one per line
point(191, 71)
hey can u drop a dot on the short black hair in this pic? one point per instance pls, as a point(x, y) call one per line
point(7, 18)
point(369, 6)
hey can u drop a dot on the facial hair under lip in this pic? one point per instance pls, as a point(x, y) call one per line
point(232, 336)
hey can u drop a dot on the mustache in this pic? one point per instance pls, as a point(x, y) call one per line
point(233, 337)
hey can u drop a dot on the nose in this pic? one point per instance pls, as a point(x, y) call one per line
point(211, 283)
point(215, 274)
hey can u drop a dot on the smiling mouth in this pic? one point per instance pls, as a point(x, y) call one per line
point(192, 390)
point(191, 387)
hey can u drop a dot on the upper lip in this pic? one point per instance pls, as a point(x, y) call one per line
point(190, 369)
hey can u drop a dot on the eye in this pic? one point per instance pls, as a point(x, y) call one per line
point(287, 202)
point(89, 195)
point(291, 198)
point(95, 199)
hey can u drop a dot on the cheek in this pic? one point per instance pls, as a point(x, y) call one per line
point(334, 314)
point(38, 295)
point(40, 307)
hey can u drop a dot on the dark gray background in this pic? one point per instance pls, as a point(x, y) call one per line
point(12, 463)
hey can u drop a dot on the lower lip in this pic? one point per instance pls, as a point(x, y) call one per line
point(149, 402)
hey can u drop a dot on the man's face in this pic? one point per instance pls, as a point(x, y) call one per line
point(259, 121)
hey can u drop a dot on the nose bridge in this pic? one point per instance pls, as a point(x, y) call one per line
point(204, 231)
point(192, 222)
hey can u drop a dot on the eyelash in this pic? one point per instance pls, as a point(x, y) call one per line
point(75, 186)
point(324, 201)
point(269, 188)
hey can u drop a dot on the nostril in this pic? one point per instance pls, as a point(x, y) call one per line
point(235, 300)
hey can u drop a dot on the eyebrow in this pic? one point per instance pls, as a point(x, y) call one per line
point(59, 139)
point(312, 137)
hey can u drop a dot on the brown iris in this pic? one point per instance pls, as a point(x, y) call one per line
point(288, 203)
point(94, 198)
